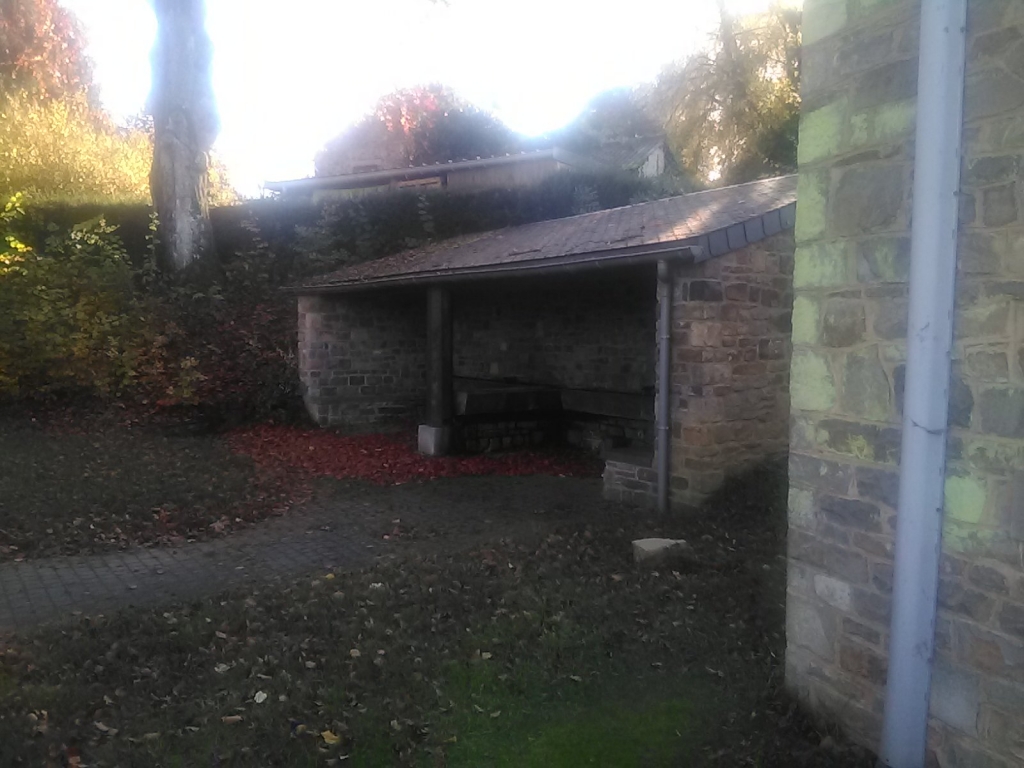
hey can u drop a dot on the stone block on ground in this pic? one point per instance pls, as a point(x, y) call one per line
point(657, 551)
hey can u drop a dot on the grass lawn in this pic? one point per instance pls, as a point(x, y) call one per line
point(101, 485)
point(550, 649)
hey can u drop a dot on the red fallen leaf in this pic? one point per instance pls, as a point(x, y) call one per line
point(384, 459)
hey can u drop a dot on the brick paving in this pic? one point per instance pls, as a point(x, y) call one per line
point(38, 591)
point(340, 529)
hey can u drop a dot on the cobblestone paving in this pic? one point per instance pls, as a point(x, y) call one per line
point(38, 591)
point(340, 529)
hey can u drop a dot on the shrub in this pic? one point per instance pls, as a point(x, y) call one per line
point(234, 330)
point(218, 342)
point(65, 150)
point(78, 316)
point(71, 318)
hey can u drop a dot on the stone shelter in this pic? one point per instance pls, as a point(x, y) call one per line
point(906, 508)
point(572, 330)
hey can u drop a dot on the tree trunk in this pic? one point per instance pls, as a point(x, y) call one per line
point(185, 125)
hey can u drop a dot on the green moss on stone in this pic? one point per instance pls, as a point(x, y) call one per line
point(821, 132)
point(963, 538)
point(962, 530)
point(854, 445)
point(812, 387)
point(866, 390)
point(805, 320)
point(884, 124)
point(977, 320)
point(966, 496)
point(820, 265)
point(811, 206)
point(895, 121)
point(860, 129)
point(994, 455)
point(867, 442)
point(822, 18)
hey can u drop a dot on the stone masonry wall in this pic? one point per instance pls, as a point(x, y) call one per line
point(730, 366)
point(849, 335)
point(362, 358)
point(631, 479)
point(579, 334)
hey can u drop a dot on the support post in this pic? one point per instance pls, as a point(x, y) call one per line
point(435, 435)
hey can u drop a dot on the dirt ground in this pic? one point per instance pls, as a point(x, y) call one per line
point(504, 624)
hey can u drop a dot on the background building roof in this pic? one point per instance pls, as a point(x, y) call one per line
point(626, 154)
point(372, 178)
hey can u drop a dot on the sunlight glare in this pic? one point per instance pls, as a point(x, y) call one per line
point(289, 76)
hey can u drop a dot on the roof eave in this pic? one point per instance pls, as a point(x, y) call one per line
point(699, 248)
point(688, 251)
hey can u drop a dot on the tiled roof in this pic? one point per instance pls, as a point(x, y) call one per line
point(716, 220)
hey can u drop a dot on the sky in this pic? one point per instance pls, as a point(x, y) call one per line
point(290, 74)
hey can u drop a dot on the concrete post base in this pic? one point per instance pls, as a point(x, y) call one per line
point(435, 441)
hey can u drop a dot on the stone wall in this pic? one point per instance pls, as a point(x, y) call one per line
point(362, 361)
point(362, 358)
point(503, 434)
point(362, 355)
point(596, 432)
point(849, 334)
point(581, 333)
point(730, 366)
point(730, 375)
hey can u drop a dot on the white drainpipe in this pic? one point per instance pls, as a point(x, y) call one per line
point(926, 401)
point(664, 415)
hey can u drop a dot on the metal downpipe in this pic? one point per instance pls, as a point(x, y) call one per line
point(664, 426)
point(926, 404)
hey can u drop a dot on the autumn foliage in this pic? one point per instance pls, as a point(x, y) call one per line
point(56, 143)
point(71, 318)
point(416, 126)
point(385, 459)
point(42, 49)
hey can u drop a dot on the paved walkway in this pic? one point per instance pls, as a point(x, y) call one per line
point(334, 530)
point(38, 591)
